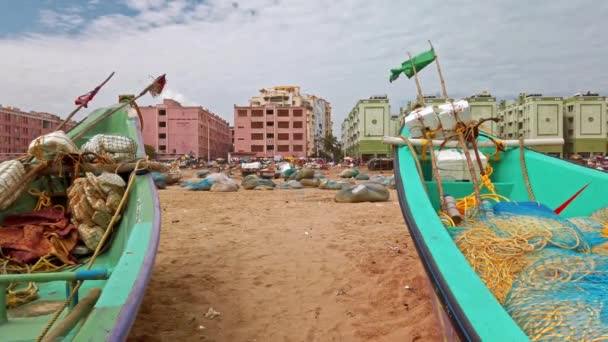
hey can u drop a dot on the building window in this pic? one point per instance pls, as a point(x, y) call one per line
point(283, 124)
point(257, 112)
point(570, 120)
point(162, 147)
point(269, 124)
point(283, 148)
point(162, 112)
point(297, 148)
point(269, 111)
point(238, 127)
point(242, 112)
point(297, 124)
point(283, 136)
point(297, 112)
point(269, 135)
point(162, 124)
point(257, 148)
point(257, 125)
point(257, 136)
point(162, 136)
point(298, 136)
point(269, 147)
point(283, 112)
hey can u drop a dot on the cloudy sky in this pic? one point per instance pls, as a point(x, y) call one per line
point(219, 53)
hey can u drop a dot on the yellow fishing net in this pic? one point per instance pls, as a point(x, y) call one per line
point(550, 273)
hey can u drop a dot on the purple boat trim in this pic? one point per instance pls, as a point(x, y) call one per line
point(127, 315)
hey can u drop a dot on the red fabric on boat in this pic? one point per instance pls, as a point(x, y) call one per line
point(27, 237)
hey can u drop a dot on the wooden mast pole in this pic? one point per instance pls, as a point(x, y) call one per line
point(82, 104)
point(445, 92)
point(461, 138)
point(420, 97)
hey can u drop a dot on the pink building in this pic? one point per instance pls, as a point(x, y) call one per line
point(270, 130)
point(19, 128)
point(174, 130)
point(231, 130)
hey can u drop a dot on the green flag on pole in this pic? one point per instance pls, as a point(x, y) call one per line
point(419, 61)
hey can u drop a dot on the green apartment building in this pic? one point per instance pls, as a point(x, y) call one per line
point(483, 106)
point(364, 127)
point(533, 116)
point(585, 127)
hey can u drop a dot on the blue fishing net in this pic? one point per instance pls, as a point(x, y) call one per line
point(160, 180)
point(198, 185)
point(550, 273)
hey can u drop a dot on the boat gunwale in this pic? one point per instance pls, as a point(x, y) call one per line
point(459, 321)
point(128, 312)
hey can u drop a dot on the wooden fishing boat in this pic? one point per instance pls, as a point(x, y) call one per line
point(466, 308)
point(105, 306)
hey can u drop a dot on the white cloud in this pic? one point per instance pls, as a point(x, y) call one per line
point(220, 54)
point(61, 21)
point(169, 93)
point(144, 5)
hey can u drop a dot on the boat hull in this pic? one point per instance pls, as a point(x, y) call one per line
point(467, 309)
point(129, 258)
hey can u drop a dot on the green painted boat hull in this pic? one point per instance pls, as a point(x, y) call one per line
point(130, 257)
point(466, 309)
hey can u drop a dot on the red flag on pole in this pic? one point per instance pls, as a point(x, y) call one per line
point(159, 84)
point(84, 99)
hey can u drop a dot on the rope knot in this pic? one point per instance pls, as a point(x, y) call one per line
point(485, 180)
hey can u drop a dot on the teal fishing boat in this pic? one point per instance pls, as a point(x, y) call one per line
point(514, 242)
point(102, 291)
point(469, 303)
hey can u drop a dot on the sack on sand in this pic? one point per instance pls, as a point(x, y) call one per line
point(160, 180)
point(173, 176)
point(362, 176)
point(377, 179)
point(333, 185)
point(305, 173)
point(311, 183)
point(349, 173)
point(198, 185)
point(392, 184)
point(386, 181)
point(287, 173)
point(293, 184)
point(221, 178)
point(364, 192)
point(202, 173)
point(224, 187)
point(250, 183)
